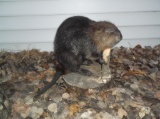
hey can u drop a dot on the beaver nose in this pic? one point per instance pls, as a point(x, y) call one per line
point(119, 34)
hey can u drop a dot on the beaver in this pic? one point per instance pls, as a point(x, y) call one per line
point(78, 41)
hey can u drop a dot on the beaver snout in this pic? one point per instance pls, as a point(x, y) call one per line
point(119, 36)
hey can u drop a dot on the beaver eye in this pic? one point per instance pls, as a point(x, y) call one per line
point(109, 30)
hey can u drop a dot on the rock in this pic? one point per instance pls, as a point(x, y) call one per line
point(29, 99)
point(144, 111)
point(65, 96)
point(52, 107)
point(116, 91)
point(98, 116)
point(102, 105)
point(6, 103)
point(40, 111)
point(49, 78)
point(86, 114)
point(32, 112)
point(25, 112)
point(39, 68)
point(87, 82)
point(134, 86)
point(1, 107)
point(56, 98)
point(63, 114)
point(121, 113)
point(23, 115)
point(6, 78)
point(127, 62)
point(106, 115)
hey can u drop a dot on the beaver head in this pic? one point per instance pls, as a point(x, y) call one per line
point(105, 35)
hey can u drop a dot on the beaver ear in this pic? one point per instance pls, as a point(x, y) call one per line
point(109, 30)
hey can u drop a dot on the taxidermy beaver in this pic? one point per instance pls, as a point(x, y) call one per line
point(78, 41)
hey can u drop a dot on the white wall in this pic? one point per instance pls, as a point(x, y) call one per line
point(27, 24)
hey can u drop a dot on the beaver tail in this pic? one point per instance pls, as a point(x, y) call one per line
point(49, 85)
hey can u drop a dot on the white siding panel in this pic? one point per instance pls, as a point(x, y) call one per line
point(15, 47)
point(143, 42)
point(25, 36)
point(140, 32)
point(50, 22)
point(76, 7)
point(27, 24)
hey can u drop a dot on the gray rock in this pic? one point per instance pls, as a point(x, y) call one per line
point(100, 78)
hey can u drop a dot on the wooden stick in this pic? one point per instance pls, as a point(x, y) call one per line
point(106, 75)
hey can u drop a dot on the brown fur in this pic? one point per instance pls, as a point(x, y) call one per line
point(104, 35)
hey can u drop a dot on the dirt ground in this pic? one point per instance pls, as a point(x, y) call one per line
point(132, 93)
